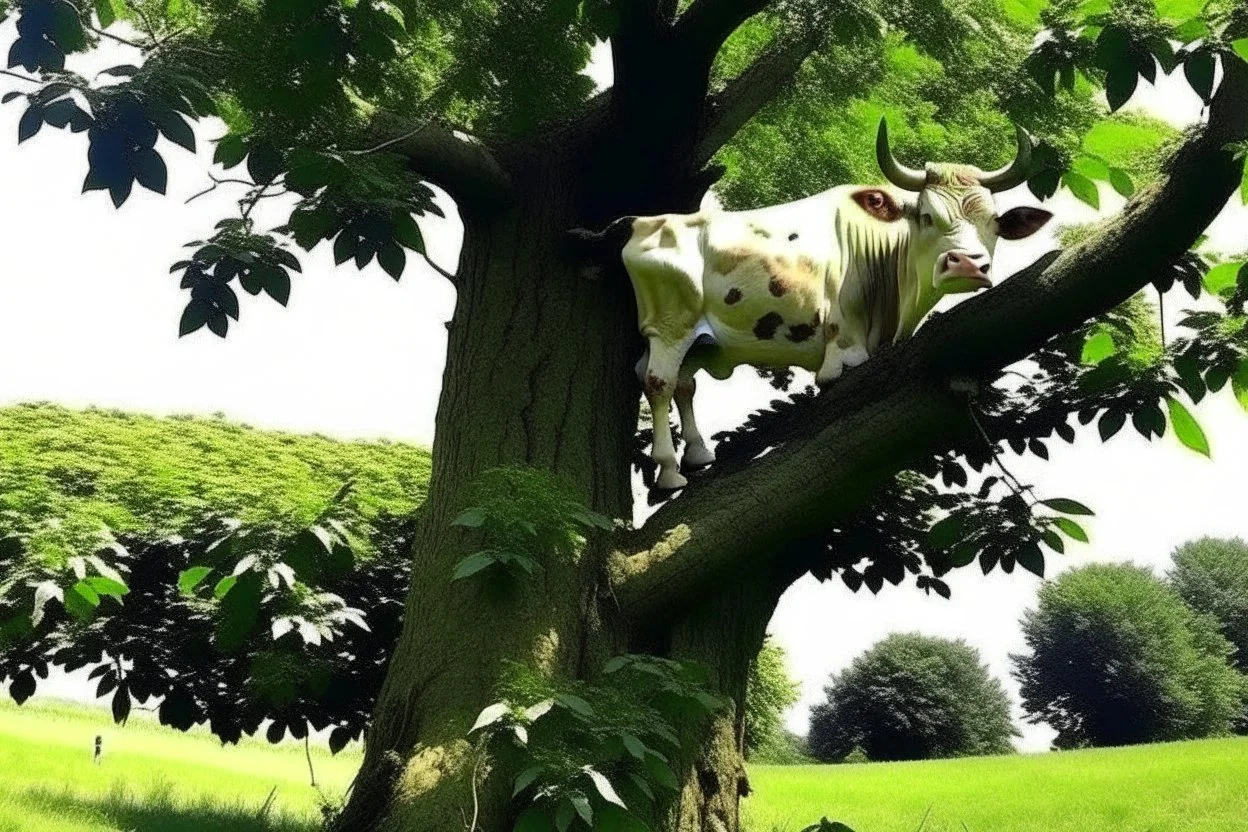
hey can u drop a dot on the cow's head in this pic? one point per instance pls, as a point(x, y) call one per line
point(954, 221)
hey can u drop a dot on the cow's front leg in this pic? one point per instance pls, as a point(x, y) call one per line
point(697, 454)
point(662, 372)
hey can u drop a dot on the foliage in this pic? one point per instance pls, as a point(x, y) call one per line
point(527, 518)
point(769, 692)
point(226, 620)
point(912, 697)
point(587, 751)
point(1211, 576)
point(1116, 658)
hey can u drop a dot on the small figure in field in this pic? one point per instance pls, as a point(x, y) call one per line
point(822, 283)
point(99, 749)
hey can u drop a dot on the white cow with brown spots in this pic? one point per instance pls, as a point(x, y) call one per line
point(820, 283)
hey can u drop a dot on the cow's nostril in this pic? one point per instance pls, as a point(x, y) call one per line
point(984, 268)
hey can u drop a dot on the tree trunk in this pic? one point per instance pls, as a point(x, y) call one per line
point(539, 371)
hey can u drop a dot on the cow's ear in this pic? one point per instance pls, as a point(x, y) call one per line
point(1020, 223)
point(879, 204)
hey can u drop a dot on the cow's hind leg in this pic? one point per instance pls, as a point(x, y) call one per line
point(697, 454)
point(662, 373)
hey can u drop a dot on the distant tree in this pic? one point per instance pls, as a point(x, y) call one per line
point(1211, 575)
point(912, 697)
point(1117, 658)
point(769, 692)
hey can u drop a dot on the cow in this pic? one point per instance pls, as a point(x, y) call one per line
point(821, 283)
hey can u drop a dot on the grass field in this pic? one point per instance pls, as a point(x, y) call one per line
point(151, 779)
point(156, 780)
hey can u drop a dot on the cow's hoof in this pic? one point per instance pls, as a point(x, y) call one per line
point(855, 356)
point(670, 481)
point(697, 456)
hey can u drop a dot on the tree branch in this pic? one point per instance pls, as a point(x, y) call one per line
point(460, 164)
point(832, 455)
point(729, 110)
point(706, 24)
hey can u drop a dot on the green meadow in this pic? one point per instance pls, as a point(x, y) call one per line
point(153, 779)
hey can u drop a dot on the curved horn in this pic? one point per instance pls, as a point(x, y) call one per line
point(1015, 173)
point(897, 173)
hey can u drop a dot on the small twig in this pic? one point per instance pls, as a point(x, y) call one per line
point(307, 752)
point(476, 802)
point(216, 183)
point(448, 275)
point(1161, 315)
point(268, 805)
point(1016, 485)
point(145, 47)
point(147, 24)
point(390, 142)
point(926, 814)
point(20, 76)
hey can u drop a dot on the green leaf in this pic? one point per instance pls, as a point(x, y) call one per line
point(1121, 180)
point(581, 803)
point(525, 779)
point(660, 772)
point(1120, 84)
point(473, 564)
point(1194, 29)
point(489, 716)
point(564, 817)
point(1200, 68)
point(1066, 506)
point(473, 518)
point(1091, 167)
point(224, 586)
point(240, 609)
point(1031, 558)
point(575, 703)
point(1083, 188)
point(1187, 428)
point(1239, 384)
point(81, 601)
point(107, 586)
point(1053, 540)
point(1099, 346)
point(188, 579)
point(604, 787)
point(1071, 529)
point(107, 13)
point(946, 532)
point(1240, 47)
point(634, 746)
point(1111, 423)
point(1222, 278)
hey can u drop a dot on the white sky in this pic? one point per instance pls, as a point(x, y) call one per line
point(91, 314)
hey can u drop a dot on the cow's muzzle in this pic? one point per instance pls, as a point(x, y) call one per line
point(966, 265)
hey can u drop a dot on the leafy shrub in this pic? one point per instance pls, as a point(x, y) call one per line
point(1211, 575)
point(1117, 658)
point(912, 697)
point(769, 692)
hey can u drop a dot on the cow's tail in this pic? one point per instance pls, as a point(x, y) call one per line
point(607, 241)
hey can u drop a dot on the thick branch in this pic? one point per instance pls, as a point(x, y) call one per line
point(877, 420)
point(729, 110)
point(462, 165)
point(706, 24)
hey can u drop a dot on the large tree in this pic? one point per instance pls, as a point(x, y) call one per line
point(351, 106)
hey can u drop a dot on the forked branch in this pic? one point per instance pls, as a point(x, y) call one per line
point(462, 165)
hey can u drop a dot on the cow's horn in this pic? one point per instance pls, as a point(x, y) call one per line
point(897, 173)
point(1015, 173)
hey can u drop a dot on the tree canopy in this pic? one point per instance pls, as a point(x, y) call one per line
point(1211, 575)
point(1117, 658)
point(913, 697)
point(769, 693)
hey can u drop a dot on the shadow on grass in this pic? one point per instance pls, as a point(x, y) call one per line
point(160, 811)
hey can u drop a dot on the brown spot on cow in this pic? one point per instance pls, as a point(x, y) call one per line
point(725, 260)
point(776, 287)
point(655, 385)
point(696, 221)
point(801, 332)
point(808, 265)
point(760, 231)
point(766, 326)
point(793, 236)
point(733, 296)
point(879, 204)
